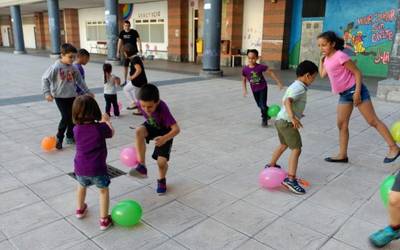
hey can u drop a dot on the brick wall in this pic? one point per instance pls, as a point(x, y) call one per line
point(178, 30)
point(71, 27)
point(275, 44)
point(234, 17)
point(40, 33)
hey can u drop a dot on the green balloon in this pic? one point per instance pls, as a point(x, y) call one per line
point(386, 187)
point(395, 131)
point(126, 213)
point(273, 110)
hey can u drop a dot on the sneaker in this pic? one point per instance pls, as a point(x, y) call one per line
point(105, 223)
point(131, 107)
point(293, 186)
point(161, 186)
point(70, 140)
point(275, 166)
point(384, 236)
point(139, 171)
point(59, 144)
point(264, 123)
point(80, 213)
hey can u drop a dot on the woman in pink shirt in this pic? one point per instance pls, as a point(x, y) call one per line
point(346, 81)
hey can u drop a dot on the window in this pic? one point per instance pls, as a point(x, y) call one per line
point(314, 8)
point(150, 31)
point(96, 31)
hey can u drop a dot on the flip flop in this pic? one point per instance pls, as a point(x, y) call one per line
point(389, 160)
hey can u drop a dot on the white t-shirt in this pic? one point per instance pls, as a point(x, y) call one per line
point(110, 87)
point(298, 92)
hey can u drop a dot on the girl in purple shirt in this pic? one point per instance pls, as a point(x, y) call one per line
point(91, 130)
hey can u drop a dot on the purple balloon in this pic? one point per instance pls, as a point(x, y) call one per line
point(128, 157)
point(271, 177)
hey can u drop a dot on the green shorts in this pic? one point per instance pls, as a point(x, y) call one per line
point(287, 134)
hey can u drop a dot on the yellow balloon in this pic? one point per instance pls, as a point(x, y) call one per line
point(395, 131)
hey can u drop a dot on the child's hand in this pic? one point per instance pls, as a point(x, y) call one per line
point(105, 118)
point(49, 98)
point(159, 141)
point(296, 123)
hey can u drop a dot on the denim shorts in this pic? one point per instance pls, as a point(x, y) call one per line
point(101, 181)
point(347, 95)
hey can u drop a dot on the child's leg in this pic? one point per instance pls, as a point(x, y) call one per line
point(162, 163)
point(141, 134)
point(115, 104)
point(277, 154)
point(70, 123)
point(108, 104)
point(104, 202)
point(62, 126)
point(343, 118)
point(263, 103)
point(293, 162)
point(81, 195)
point(367, 111)
point(129, 91)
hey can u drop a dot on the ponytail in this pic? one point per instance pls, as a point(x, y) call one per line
point(107, 68)
point(331, 37)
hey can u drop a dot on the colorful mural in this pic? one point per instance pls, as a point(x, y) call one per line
point(368, 32)
point(295, 34)
point(127, 10)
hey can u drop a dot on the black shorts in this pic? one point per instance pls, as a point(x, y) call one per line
point(396, 185)
point(152, 132)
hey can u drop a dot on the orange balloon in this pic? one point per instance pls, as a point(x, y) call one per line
point(48, 143)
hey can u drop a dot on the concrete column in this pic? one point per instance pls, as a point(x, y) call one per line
point(212, 38)
point(54, 27)
point(16, 20)
point(111, 14)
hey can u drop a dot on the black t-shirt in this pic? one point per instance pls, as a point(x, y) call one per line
point(141, 79)
point(129, 37)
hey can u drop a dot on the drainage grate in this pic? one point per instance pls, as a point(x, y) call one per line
point(112, 172)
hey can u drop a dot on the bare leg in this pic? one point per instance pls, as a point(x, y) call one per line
point(125, 73)
point(104, 202)
point(343, 119)
point(367, 111)
point(141, 134)
point(277, 154)
point(162, 167)
point(293, 161)
point(81, 195)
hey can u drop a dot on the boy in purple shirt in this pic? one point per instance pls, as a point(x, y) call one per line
point(91, 153)
point(159, 126)
point(82, 58)
point(253, 73)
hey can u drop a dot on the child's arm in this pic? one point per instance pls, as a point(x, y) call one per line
point(81, 83)
point(357, 74)
point(117, 80)
point(321, 69)
point(161, 140)
point(272, 74)
point(105, 118)
point(138, 70)
point(288, 106)
point(244, 86)
point(47, 78)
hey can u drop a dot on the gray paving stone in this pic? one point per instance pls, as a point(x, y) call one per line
point(373, 211)
point(181, 185)
point(140, 236)
point(207, 200)
point(170, 245)
point(57, 235)
point(355, 233)
point(27, 218)
point(86, 245)
point(6, 245)
point(54, 186)
point(317, 218)
point(245, 217)
point(334, 244)
point(253, 245)
point(210, 234)
point(284, 234)
point(122, 185)
point(7, 181)
point(205, 174)
point(16, 198)
point(2, 236)
point(173, 218)
point(276, 201)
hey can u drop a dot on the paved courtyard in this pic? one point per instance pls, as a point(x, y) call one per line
point(213, 201)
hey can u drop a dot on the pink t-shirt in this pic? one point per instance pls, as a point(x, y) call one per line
point(340, 77)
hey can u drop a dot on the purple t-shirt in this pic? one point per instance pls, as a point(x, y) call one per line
point(81, 70)
point(160, 118)
point(91, 149)
point(255, 76)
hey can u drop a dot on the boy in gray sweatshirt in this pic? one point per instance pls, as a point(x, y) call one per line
point(58, 83)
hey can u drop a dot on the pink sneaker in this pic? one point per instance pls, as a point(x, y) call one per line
point(105, 223)
point(80, 213)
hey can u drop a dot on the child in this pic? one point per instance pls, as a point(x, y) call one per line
point(346, 81)
point(288, 122)
point(253, 72)
point(91, 131)
point(110, 90)
point(137, 76)
point(161, 127)
point(58, 83)
point(83, 58)
point(392, 232)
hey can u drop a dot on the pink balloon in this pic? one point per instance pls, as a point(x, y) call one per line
point(271, 177)
point(128, 157)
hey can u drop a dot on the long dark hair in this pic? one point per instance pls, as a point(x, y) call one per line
point(331, 37)
point(107, 68)
point(85, 110)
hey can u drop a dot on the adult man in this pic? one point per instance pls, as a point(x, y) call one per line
point(128, 36)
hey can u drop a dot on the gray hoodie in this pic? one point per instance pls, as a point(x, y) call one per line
point(60, 79)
